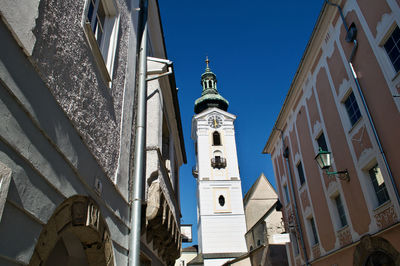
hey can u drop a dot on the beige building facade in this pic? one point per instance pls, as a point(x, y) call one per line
point(343, 99)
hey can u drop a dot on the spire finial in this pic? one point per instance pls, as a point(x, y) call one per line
point(207, 61)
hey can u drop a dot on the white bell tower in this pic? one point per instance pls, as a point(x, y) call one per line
point(221, 220)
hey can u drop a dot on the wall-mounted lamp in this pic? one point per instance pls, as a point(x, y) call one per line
point(324, 161)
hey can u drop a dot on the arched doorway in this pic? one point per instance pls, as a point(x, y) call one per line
point(379, 258)
point(375, 251)
point(76, 234)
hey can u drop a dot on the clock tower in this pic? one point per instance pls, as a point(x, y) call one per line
point(221, 221)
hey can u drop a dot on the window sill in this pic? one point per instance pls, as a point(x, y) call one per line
point(314, 245)
point(396, 76)
point(343, 228)
point(98, 57)
point(302, 186)
point(355, 125)
point(383, 206)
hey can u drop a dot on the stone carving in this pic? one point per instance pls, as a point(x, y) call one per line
point(386, 217)
point(344, 236)
point(78, 216)
point(153, 200)
point(316, 251)
point(161, 226)
point(93, 216)
point(78, 213)
point(361, 142)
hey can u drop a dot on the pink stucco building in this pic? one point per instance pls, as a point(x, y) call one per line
point(343, 99)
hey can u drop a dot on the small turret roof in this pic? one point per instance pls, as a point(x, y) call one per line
point(209, 96)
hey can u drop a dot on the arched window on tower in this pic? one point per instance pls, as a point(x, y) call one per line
point(216, 139)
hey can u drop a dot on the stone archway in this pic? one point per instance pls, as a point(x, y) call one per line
point(375, 250)
point(76, 234)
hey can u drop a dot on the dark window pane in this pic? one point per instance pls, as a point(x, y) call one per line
point(352, 108)
point(314, 231)
point(90, 11)
point(342, 215)
point(301, 173)
point(216, 139)
point(396, 64)
point(392, 48)
point(322, 143)
point(221, 200)
point(285, 188)
point(396, 34)
point(378, 184)
point(389, 44)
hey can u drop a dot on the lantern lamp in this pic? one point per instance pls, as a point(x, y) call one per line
point(324, 161)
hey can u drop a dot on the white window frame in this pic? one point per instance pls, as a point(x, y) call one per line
point(104, 54)
point(345, 98)
point(382, 39)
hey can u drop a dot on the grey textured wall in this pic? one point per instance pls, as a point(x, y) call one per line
point(48, 161)
point(66, 64)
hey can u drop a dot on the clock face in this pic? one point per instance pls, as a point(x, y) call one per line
point(215, 121)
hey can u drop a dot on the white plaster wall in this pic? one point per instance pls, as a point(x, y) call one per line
point(206, 195)
point(215, 262)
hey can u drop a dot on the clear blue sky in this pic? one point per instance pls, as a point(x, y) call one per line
point(254, 48)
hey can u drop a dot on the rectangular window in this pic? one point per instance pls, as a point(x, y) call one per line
point(322, 143)
point(340, 209)
point(352, 108)
point(392, 47)
point(101, 28)
point(301, 173)
point(314, 231)
point(96, 17)
point(379, 184)
point(287, 199)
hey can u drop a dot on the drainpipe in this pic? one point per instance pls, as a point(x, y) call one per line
point(351, 37)
point(296, 212)
point(140, 142)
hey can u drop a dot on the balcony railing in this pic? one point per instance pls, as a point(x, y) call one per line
point(218, 162)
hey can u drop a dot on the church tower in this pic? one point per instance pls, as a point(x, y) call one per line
point(221, 221)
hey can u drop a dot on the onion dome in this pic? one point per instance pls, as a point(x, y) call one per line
point(210, 96)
